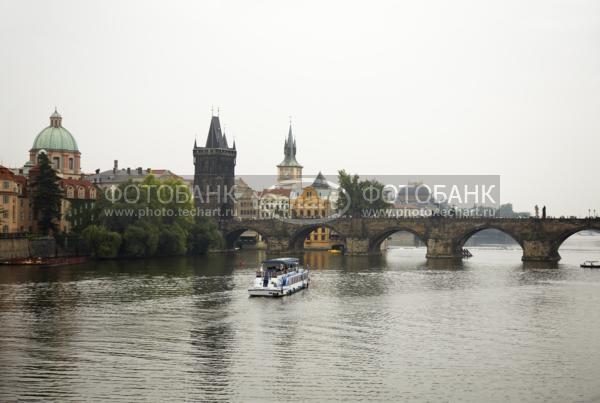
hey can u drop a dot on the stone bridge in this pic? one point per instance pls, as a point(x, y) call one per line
point(444, 236)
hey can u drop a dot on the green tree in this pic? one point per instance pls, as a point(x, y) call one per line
point(140, 239)
point(101, 242)
point(203, 235)
point(357, 195)
point(46, 196)
point(172, 240)
point(81, 214)
point(154, 217)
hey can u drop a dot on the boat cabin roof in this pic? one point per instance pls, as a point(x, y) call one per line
point(290, 261)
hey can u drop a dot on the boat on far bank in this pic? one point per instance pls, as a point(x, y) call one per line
point(279, 277)
point(591, 264)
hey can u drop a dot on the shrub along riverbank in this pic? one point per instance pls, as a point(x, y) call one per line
point(117, 226)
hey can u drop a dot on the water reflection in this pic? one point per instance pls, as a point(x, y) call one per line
point(390, 327)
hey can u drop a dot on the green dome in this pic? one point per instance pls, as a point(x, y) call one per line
point(55, 137)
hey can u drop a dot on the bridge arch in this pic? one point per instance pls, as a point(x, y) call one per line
point(232, 235)
point(299, 236)
point(460, 242)
point(376, 240)
point(562, 237)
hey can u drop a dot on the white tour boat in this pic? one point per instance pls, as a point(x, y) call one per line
point(279, 277)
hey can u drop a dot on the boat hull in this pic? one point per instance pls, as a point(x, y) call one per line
point(277, 292)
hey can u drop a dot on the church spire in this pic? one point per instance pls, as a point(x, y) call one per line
point(289, 149)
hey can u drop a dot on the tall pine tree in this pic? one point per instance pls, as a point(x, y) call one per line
point(46, 196)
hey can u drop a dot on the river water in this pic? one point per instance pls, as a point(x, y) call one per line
point(390, 327)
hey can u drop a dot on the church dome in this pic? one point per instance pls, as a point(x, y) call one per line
point(55, 137)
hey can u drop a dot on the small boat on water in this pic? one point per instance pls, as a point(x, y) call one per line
point(591, 264)
point(279, 277)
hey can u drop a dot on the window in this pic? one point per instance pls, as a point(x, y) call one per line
point(56, 162)
point(70, 192)
point(5, 228)
point(71, 165)
point(81, 192)
point(5, 199)
point(6, 184)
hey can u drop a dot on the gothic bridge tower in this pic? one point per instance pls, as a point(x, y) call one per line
point(214, 174)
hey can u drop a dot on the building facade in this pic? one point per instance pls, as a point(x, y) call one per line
point(214, 174)
point(79, 195)
point(116, 176)
point(274, 203)
point(316, 201)
point(246, 205)
point(15, 215)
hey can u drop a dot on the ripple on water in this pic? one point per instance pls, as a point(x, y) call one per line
point(394, 328)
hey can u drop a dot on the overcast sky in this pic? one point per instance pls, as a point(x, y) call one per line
point(400, 87)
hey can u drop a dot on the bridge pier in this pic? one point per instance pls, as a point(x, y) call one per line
point(357, 246)
point(275, 244)
point(443, 249)
point(540, 251)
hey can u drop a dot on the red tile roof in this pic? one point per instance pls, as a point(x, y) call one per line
point(6, 174)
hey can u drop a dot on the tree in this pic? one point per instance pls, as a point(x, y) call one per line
point(172, 240)
point(140, 240)
point(46, 197)
point(359, 196)
point(81, 214)
point(156, 217)
point(101, 242)
point(203, 235)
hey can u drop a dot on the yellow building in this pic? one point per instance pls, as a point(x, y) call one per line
point(315, 202)
point(14, 204)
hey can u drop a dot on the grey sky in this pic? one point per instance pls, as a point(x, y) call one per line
point(402, 87)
